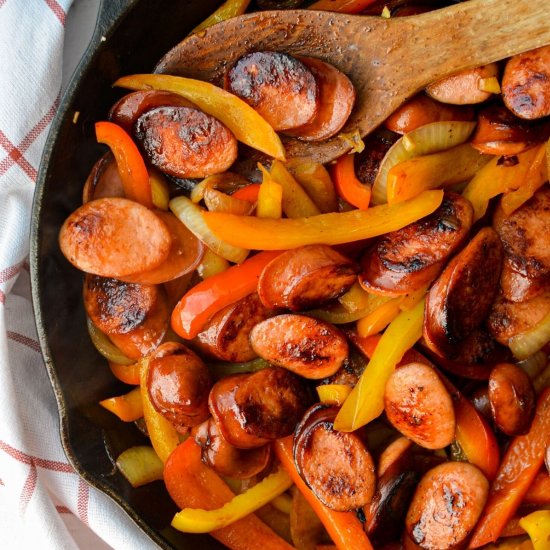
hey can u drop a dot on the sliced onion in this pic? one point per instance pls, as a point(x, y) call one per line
point(542, 380)
point(227, 182)
point(105, 346)
point(338, 314)
point(216, 201)
point(140, 465)
point(528, 343)
point(534, 365)
point(425, 140)
point(191, 216)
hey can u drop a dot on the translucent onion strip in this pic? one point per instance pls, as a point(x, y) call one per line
point(527, 343)
point(534, 365)
point(140, 465)
point(105, 346)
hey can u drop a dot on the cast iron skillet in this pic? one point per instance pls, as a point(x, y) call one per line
point(131, 36)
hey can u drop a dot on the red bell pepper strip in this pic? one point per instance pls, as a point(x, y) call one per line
point(130, 163)
point(341, 6)
point(518, 469)
point(203, 300)
point(347, 185)
point(248, 193)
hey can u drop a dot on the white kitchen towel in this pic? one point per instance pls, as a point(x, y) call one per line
point(43, 502)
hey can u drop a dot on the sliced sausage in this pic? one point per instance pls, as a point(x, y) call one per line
point(280, 87)
point(129, 108)
point(421, 110)
point(226, 335)
point(306, 277)
point(512, 399)
point(336, 100)
point(418, 405)
point(517, 286)
point(254, 409)
point(526, 84)
point(462, 297)
point(336, 466)
point(103, 180)
point(178, 384)
point(463, 88)
point(405, 260)
point(186, 143)
point(308, 347)
point(226, 459)
point(446, 505)
point(480, 400)
point(367, 163)
point(101, 238)
point(392, 453)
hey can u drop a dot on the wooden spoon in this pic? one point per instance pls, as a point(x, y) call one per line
point(388, 60)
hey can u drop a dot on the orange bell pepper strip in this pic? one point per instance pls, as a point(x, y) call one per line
point(347, 185)
point(248, 193)
point(345, 530)
point(129, 374)
point(518, 469)
point(198, 305)
point(130, 163)
point(341, 6)
point(539, 491)
point(127, 407)
point(192, 484)
point(379, 319)
point(333, 228)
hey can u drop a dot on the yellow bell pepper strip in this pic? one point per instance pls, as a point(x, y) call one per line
point(247, 125)
point(496, 177)
point(203, 300)
point(331, 229)
point(193, 520)
point(130, 163)
point(283, 503)
point(270, 197)
point(317, 183)
point(366, 401)
point(334, 394)
point(164, 437)
point(160, 193)
point(410, 177)
point(127, 407)
point(296, 202)
point(348, 185)
point(228, 10)
point(380, 318)
point(537, 525)
point(211, 264)
point(344, 528)
point(536, 176)
point(140, 465)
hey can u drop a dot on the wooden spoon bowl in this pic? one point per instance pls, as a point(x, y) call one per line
point(388, 60)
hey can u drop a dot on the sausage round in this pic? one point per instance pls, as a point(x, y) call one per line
point(103, 180)
point(280, 87)
point(185, 142)
point(446, 505)
point(405, 260)
point(517, 286)
point(306, 277)
point(308, 347)
point(462, 297)
point(367, 163)
point(419, 406)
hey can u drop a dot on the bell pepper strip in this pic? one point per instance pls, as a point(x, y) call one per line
point(245, 123)
point(334, 394)
point(366, 401)
point(198, 305)
point(497, 176)
point(140, 465)
point(192, 484)
point(410, 177)
point(337, 314)
point(228, 10)
point(341, 6)
point(536, 176)
point(164, 437)
point(539, 491)
point(379, 319)
point(222, 369)
point(196, 520)
point(127, 407)
point(537, 525)
point(212, 264)
point(129, 374)
point(160, 192)
point(130, 163)
point(356, 298)
point(348, 185)
point(344, 528)
point(270, 197)
point(317, 183)
point(296, 202)
point(283, 503)
point(518, 469)
point(333, 228)
point(248, 193)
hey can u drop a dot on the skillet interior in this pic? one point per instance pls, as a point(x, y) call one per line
point(137, 33)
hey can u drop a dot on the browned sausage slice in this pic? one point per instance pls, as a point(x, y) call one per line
point(446, 505)
point(512, 399)
point(367, 163)
point(101, 238)
point(308, 347)
point(103, 180)
point(526, 84)
point(280, 87)
point(254, 409)
point(226, 335)
point(405, 260)
point(178, 383)
point(336, 100)
point(306, 277)
point(462, 297)
point(337, 466)
point(517, 286)
point(419, 406)
point(185, 142)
